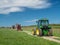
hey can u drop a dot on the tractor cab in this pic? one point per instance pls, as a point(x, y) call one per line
point(43, 23)
point(43, 28)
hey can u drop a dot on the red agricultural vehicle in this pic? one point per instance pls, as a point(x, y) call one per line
point(18, 27)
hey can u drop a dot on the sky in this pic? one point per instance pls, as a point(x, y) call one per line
point(27, 12)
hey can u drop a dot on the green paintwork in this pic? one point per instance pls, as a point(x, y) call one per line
point(49, 27)
point(41, 26)
point(45, 32)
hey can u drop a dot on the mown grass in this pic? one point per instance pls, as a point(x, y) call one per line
point(13, 37)
point(57, 38)
point(56, 32)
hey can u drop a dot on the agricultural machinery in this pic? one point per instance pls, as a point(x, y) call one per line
point(17, 26)
point(43, 28)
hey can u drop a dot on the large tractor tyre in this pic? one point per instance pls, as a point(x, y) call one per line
point(50, 32)
point(38, 32)
point(34, 32)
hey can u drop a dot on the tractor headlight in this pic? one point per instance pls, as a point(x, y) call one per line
point(41, 27)
point(49, 27)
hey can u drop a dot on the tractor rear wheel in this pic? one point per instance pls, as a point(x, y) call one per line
point(38, 32)
point(50, 32)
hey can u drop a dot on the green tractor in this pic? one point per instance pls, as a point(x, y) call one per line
point(43, 28)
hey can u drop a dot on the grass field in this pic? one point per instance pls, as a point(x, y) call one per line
point(13, 37)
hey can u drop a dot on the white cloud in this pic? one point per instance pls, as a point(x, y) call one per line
point(32, 20)
point(7, 6)
point(8, 10)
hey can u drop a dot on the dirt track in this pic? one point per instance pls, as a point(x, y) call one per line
point(51, 38)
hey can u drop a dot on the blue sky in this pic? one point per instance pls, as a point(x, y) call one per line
point(28, 14)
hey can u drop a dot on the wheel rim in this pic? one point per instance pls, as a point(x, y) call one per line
point(32, 32)
point(37, 32)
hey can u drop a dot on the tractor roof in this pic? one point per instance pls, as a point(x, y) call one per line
point(43, 19)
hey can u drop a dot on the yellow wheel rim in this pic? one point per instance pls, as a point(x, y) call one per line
point(37, 32)
point(32, 32)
